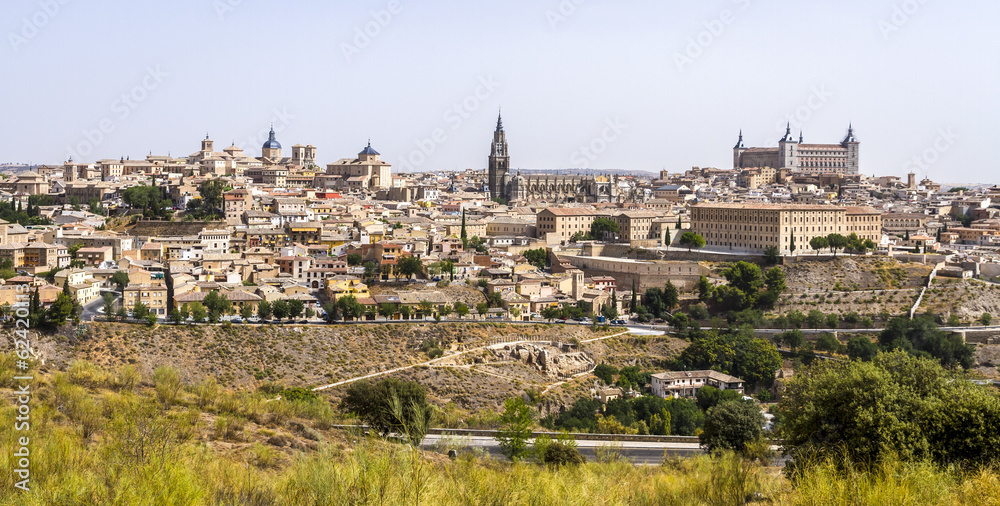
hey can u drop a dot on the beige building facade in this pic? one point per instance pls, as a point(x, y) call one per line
point(750, 228)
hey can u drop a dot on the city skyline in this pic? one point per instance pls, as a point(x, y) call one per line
point(582, 84)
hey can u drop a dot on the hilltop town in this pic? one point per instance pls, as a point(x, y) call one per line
point(468, 244)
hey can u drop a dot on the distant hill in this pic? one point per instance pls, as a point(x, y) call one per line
point(590, 172)
point(161, 228)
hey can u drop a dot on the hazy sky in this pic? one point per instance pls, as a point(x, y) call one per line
point(640, 85)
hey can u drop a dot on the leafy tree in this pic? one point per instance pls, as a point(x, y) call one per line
point(550, 313)
point(120, 279)
point(921, 335)
point(745, 286)
point(175, 316)
point(198, 312)
point(211, 199)
point(95, 206)
point(609, 312)
point(732, 426)
point(819, 242)
point(815, 319)
point(832, 320)
point(736, 352)
point(448, 267)
point(986, 319)
point(461, 309)
point(216, 304)
point(109, 304)
point(774, 280)
point(391, 405)
point(771, 255)
point(671, 296)
point(264, 310)
point(606, 373)
point(709, 397)
point(354, 259)
point(536, 257)
point(185, 312)
point(705, 289)
point(482, 308)
point(280, 309)
point(793, 339)
point(388, 310)
point(139, 310)
point(295, 308)
point(603, 228)
point(515, 429)
point(350, 307)
point(861, 348)
point(896, 406)
point(405, 311)
point(61, 310)
point(836, 241)
point(148, 198)
point(246, 312)
point(692, 240)
point(371, 269)
point(446, 310)
point(828, 343)
point(408, 266)
point(559, 453)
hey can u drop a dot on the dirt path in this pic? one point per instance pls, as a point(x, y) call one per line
point(435, 360)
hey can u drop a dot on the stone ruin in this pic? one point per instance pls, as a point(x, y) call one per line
point(549, 360)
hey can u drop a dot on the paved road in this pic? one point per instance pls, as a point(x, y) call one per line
point(635, 452)
point(93, 308)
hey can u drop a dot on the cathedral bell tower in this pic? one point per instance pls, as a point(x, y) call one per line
point(499, 164)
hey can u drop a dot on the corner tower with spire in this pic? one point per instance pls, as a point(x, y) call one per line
point(499, 162)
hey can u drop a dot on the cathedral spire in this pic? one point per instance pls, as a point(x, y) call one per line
point(739, 143)
point(800, 136)
point(499, 121)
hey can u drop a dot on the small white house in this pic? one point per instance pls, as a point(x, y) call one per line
point(672, 384)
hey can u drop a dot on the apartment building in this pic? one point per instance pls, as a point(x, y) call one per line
point(95, 256)
point(564, 222)
point(235, 202)
point(751, 228)
point(153, 296)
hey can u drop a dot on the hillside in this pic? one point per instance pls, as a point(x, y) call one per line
point(160, 228)
point(311, 355)
point(114, 437)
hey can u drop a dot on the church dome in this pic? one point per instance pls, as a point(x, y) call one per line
point(271, 143)
point(368, 150)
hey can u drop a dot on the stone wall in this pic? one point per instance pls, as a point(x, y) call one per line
point(646, 274)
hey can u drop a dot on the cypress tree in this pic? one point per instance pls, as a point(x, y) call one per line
point(633, 296)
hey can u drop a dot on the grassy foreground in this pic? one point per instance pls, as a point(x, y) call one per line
point(111, 437)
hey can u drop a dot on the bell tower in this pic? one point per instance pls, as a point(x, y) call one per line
point(499, 164)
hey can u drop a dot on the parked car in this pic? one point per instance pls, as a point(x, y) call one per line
point(561, 320)
point(584, 320)
point(618, 322)
point(237, 320)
